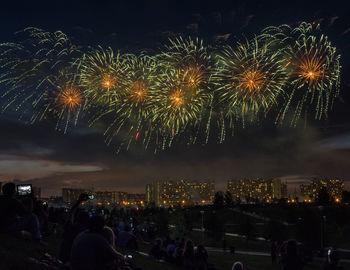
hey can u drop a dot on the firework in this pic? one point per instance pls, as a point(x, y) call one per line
point(250, 78)
point(64, 102)
point(184, 88)
point(132, 112)
point(28, 67)
point(313, 67)
point(175, 95)
point(103, 76)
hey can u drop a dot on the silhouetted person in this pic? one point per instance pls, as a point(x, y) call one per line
point(170, 250)
point(274, 251)
point(291, 259)
point(201, 256)
point(332, 261)
point(41, 211)
point(126, 239)
point(156, 251)
point(75, 224)
point(189, 259)
point(91, 250)
point(178, 254)
point(15, 218)
point(237, 266)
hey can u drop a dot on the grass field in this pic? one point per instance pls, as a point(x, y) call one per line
point(15, 254)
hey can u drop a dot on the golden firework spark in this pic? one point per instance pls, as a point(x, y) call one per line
point(176, 98)
point(108, 82)
point(192, 77)
point(251, 80)
point(139, 91)
point(70, 98)
point(310, 69)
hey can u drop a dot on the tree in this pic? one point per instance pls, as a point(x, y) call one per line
point(179, 223)
point(309, 228)
point(219, 199)
point(247, 229)
point(189, 219)
point(228, 199)
point(214, 223)
point(275, 230)
point(346, 196)
point(162, 223)
point(323, 196)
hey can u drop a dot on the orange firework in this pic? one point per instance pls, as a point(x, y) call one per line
point(70, 98)
point(193, 77)
point(108, 82)
point(176, 98)
point(250, 78)
point(250, 81)
point(310, 68)
point(138, 92)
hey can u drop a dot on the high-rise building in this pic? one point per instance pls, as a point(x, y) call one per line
point(136, 199)
point(334, 187)
point(71, 195)
point(110, 197)
point(172, 193)
point(259, 189)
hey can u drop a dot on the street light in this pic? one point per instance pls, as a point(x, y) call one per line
point(202, 213)
point(323, 225)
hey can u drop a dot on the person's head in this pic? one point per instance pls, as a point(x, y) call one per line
point(158, 242)
point(108, 234)
point(201, 249)
point(96, 224)
point(292, 247)
point(82, 218)
point(28, 204)
point(9, 189)
point(237, 266)
point(189, 244)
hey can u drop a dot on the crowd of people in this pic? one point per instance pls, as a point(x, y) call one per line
point(181, 253)
point(90, 240)
point(292, 258)
point(87, 244)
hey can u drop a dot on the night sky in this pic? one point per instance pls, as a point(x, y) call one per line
point(47, 158)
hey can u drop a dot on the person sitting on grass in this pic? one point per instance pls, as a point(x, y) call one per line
point(91, 250)
point(170, 250)
point(126, 239)
point(237, 266)
point(189, 260)
point(178, 255)
point(156, 251)
point(201, 257)
point(291, 259)
point(332, 261)
point(15, 218)
point(76, 223)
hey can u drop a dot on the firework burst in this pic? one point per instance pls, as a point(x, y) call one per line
point(175, 95)
point(103, 76)
point(63, 102)
point(313, 67)
point(184, 88)
point(132, 113)
point(250, 79)
point(28, 66)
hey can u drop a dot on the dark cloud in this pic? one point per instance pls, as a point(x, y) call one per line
point(82, 159)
